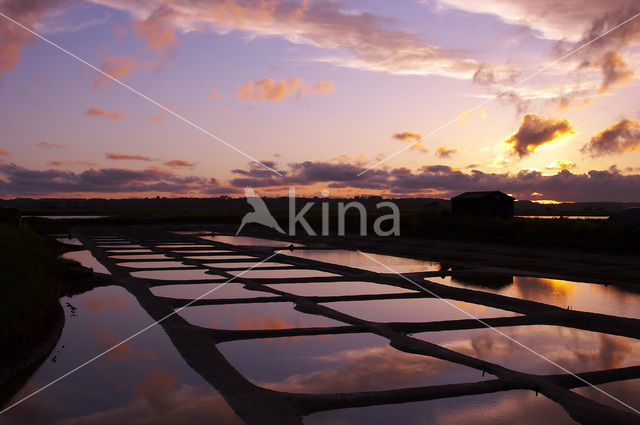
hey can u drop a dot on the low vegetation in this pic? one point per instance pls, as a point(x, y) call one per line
point(593, 235)
point(27, 267)
point(590, 234)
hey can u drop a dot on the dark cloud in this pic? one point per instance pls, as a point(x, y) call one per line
point(610, 17)
point(122, 156)
point(20, 181)
point(179, 163)
point(50, 145)
point(258, 176)
point(614, 71)
point(446, 152)
point(58, 163)
point(445, 181)
point(619, 137)
point(431, 180)
point(484, 76)
point(501, 83)
point(536, 131)
point(95, 112)
point(407, 135)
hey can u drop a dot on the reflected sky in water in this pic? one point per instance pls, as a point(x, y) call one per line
point(192, 291)
point(275, 274)
point(129, 251)
point(120, 246)
point(221, 257)
point(144, 381)
point(415, 310)
point(183, 246)
point(562, 293)
point(279, 315)
point(574, 349)
point(186, 274)
point(140, 257)
point(626, 391)
point(247, 240)
point(246, 265)
point(505, 408)
point(70, 241)
point(311, 289)
point(152, 264)
point(87, 259)
point(357, 260)
point(339, 363)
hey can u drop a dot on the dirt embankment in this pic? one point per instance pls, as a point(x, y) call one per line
point(31, 317)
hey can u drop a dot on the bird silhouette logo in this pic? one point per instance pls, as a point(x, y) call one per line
point(260, 213)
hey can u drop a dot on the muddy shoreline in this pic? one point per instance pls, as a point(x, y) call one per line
point(22, 358)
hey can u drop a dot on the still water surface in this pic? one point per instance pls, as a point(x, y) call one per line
point(145, 381)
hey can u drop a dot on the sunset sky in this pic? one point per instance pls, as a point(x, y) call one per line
point(320, 91)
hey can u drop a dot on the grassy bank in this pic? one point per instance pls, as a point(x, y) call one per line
point(27, 267)
point(30, 314)
point(591, 235)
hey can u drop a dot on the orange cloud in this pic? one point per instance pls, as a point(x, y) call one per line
point(157, 29)
point(622, 136)
point(121, 354)
point(268, 322)
point(445, 151)
point(4, 153)
point(407, 135)
point(116, 66)
point(49, 145)
point(156, 389)
point(366, 40)
point(614, 71)
point(12, 37)
point(323, 88)
point(482, 113)
point(536, 131)
point(95, 112)
point(113, 302)
point(121, 156)
point(561, 164)
point(119, 31)
point(157, 118)
point(418, 147)
point(215, 93)
point(179, 163)
point(360, 369)
point(63, 163)
point(162, 116)
point(270, 90)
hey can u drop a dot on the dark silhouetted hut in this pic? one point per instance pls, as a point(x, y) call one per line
point(483, 204)
point(626, 217)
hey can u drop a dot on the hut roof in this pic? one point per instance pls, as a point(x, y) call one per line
point(481, 194)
